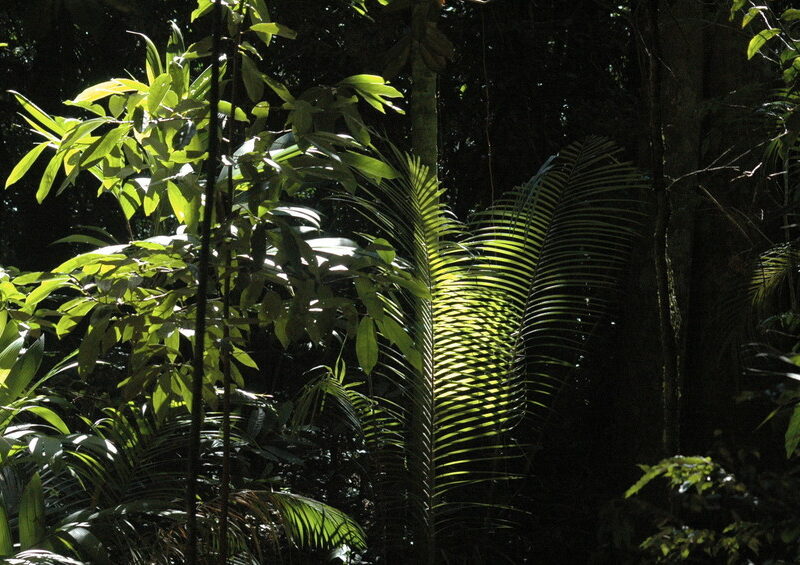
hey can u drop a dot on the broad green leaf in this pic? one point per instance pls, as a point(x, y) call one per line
point(107, 88)
point(177, 201)
point(203, 7)
point(50, 417)
point(72, 313)
point(758, 41)
point(791, 15)
point(25, 163)
point(244, 358)
point(173, 344)
point(158, 90)
point(260, 110)
point(273, 28)
point(279, 88)
point(369, 166)
point(366, 345)
point(90, 348)
point(100, 148)
point(395, 333)
point(45, 288)
point(49, 176)
point(752, 13)
point(23, 372)
point(8, 357)
point(152, 199)
point(252, 77)
point(31, 514)
point(384, 250)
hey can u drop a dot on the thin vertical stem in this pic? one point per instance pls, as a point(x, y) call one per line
point(225, 353)
point(669, 347)
point(202, 292)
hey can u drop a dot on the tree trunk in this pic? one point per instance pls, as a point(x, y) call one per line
point(423, 109)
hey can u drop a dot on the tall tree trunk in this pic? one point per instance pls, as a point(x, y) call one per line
point(424, 112)
point(653, 326)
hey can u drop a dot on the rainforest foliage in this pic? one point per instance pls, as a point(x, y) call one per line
point(403, 281)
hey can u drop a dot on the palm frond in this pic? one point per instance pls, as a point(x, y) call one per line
point(505, 307)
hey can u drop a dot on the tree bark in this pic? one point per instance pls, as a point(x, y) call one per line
point(424, 99)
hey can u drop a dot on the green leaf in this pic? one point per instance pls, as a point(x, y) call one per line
point(107, 88)
point(153, 64)
point(752, 13)
point(252, 77)
point(273, 28)
point(384, 250)
point(22, 373)
point(279, 88)
point(45, 288)
point(25, 163)
point(50, 417)
point(369, 166)
point(736, 6)
point(102, 146)
point(38, 114)
point(49, 176)
point(158, 90)
point(6, 541)
point(758, 41)
point(792, 436)
point(8, 358)
point(395, 333)
point(31, 514)
point(203, 7)
point(366, 345)
point(225, 108)
point(73, 312)
point(81, 238)
point(791, 15)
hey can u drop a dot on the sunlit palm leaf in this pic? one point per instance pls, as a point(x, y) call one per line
point(507, 306)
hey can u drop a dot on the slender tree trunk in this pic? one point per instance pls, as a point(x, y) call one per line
point(423, 109)
point(653, 345)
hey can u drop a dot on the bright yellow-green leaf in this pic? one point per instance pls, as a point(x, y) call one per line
point(369, 166)
point(273, 28)
point(25, 163)
point(38, 114)
point(46, 183)
point(758, 41)
point(177, 201)
point(225, 108)
point(104, 89)
point(790, 15)
point(752, 13)
point(100, 148)
point(158, 90)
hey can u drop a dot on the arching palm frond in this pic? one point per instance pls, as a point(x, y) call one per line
point(504, 307)
point(550, 251)
point(125, 484)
